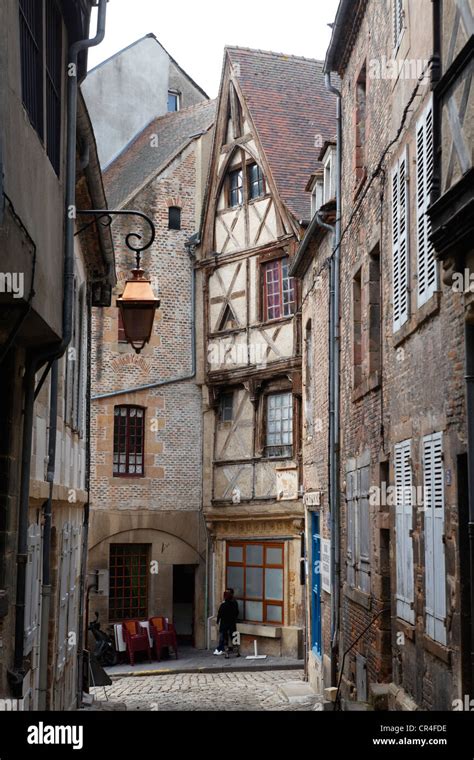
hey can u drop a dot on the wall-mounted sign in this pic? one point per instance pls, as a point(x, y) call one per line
point(287, 483)
point(312, 499)
point(326, 565)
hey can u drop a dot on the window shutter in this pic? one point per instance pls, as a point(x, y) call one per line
point(33, 584)
point(404, 524)
point(364, 530)
point(64, 572)
point(400, 242)
point(73, 598)
point(351, 500)
point(427, 268)
point(435, 574)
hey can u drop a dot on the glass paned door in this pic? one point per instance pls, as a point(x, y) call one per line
point(315, 585)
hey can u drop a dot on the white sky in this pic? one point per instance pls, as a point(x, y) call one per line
point(195, 32)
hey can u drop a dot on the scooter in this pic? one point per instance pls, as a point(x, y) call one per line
point(104, 650)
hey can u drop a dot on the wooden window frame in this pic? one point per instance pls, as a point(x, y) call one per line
point(128, 474)
point(260, 181)
point(117, 601)
point(265, 307)
point(177, 95)
point(266, 447)
point(235, 170)
point(265, 602)
point(222, 406)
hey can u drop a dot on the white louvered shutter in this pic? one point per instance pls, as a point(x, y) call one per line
point(73, 597)
point(400, 251)
point(363, 580)
point(426, 262)
point(404, 524)
point(435, 564)
point(33, 587)
point(64, 572)
point(351, 549)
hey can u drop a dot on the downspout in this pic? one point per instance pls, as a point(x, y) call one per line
point(36, 359)
point(334, 485)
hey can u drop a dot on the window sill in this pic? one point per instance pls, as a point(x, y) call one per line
point(426, 311)
point(436, 649)
point(366, 386)
point(270, 322)
point(358, 597)
point(259, 629)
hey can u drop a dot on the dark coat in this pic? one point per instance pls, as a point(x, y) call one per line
point(228, 614)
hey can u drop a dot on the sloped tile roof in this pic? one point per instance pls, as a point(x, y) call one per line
point(293, 113)
point(152, 150)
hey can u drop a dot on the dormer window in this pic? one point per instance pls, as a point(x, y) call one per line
point(256, 181)
point(173, 101)
point(236, 188)
point(329, 175)
point(317, 195)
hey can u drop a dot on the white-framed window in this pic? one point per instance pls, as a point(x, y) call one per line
point(329, 176)
point(173, 101)
point(317, 196)
point(435, 560)
point(398, 15)
point(358, 528)
point(279, 425)
point(400, 237)
point(427, 270)
point(403, 532)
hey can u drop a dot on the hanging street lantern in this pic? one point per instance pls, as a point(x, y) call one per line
point(137, 303)
point(137, 307)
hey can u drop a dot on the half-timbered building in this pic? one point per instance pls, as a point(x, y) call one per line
point(274, 114)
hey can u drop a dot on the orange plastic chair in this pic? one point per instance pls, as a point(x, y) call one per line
point(136, 639)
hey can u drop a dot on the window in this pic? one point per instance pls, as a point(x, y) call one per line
point(357, 345)
point(361, 126)
point(173, 101)
point(256, 181)
point(174, 218)
point(255, 572)
point(129, 439)
point(41, 71)
point(53, 83)
point(373, 307)
point(121, 337)
point(400, 242)
point(404, 527)
point(128, 585)
point(235, 188)
point(279, 290)
point(226, 411)
point(435, 563)
point(31, 46)
point(358, 561)
point(317, 195)
point(397, 22)
point(427, 269)
point(328, 184)
point(279, 425)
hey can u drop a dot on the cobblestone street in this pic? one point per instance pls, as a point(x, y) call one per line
point(205, 691)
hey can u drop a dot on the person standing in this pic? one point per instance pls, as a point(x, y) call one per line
point(227, 620)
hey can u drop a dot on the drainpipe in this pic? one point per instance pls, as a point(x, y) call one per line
point(334, 411)
point(36, 359)
point(469, 347)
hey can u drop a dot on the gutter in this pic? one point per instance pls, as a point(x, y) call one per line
point(37, 359)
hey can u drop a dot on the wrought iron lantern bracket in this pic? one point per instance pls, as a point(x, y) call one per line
point(107, 214)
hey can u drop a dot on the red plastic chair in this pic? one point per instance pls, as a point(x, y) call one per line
point(136, 639)
point(163, 634)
